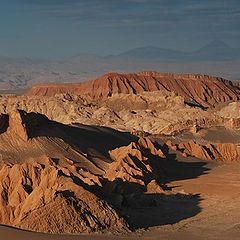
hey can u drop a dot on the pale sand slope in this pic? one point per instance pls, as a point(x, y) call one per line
point(218, 219)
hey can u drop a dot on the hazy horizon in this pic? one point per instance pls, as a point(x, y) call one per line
point(59, 29)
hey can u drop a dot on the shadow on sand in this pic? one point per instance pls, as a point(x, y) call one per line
point(144, 210)
point(162, 209)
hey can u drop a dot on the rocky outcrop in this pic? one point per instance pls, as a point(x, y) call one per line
point(233, 123)
point(138, 165)
point(224, 152)
point(231, 110)
point(45, 178)
point(145, 113)
point(22, 124)
point(196, 89)
point(46, 199)
point(231, 114)
point(237, 83)
point(54, 177)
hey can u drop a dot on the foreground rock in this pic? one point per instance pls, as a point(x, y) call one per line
point(43, 198)
point(53, 177)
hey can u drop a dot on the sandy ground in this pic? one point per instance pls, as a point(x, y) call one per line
point(213, 212)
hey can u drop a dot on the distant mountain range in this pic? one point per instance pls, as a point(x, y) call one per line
point(216, 50)
point(216, 58)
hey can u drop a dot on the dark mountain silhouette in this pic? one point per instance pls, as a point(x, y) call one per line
point(151, 52)
point(217, 50)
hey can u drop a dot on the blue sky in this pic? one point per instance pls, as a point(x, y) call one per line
point(59, 28)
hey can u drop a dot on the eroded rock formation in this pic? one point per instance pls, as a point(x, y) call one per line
point(196, 89)
point(224, 152)
point(138, 165)
point(148, 112)
point(52, 176)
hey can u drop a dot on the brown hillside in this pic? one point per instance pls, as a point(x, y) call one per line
point(202, 89)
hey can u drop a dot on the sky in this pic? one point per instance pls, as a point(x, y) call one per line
point(63, 28)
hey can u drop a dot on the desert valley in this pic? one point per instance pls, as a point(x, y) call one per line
point(119, 120)
point(142, 155)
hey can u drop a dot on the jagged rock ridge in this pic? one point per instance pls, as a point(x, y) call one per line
point(224, 152)
point(52, 176)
